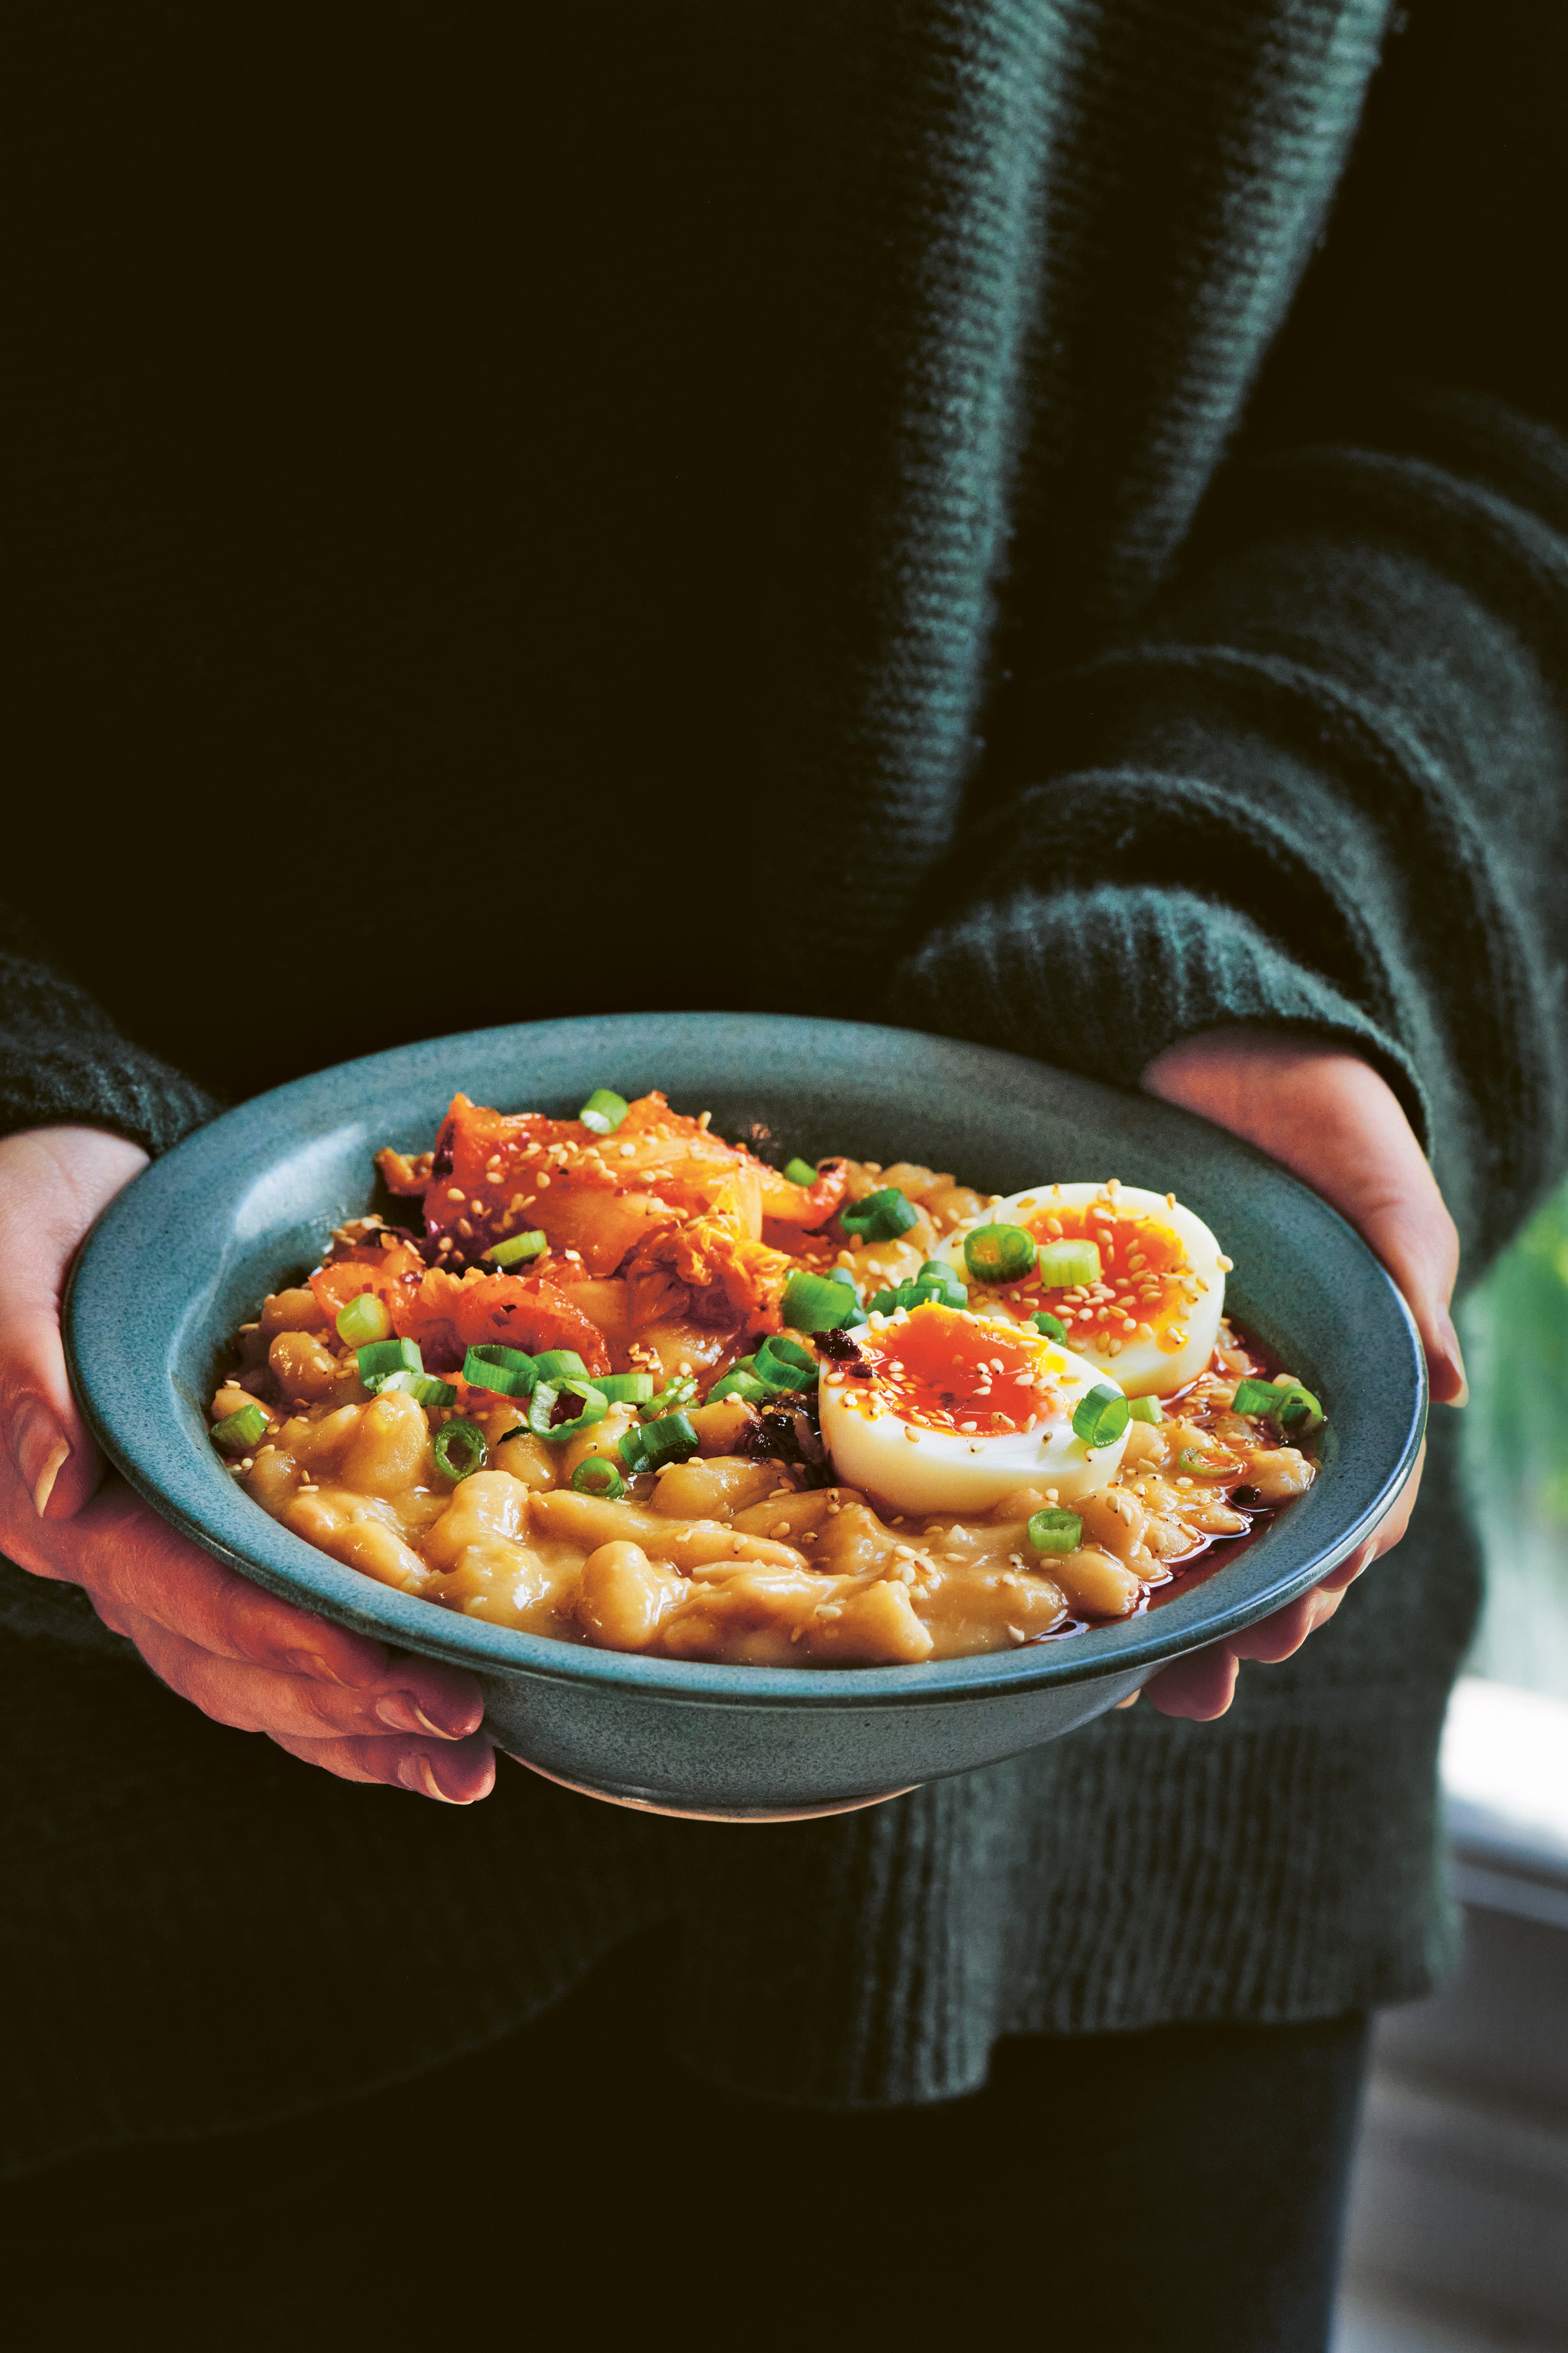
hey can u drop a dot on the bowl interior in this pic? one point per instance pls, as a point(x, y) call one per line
point(185, 1253)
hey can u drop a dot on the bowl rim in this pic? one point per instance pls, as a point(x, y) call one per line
point(138, 1443)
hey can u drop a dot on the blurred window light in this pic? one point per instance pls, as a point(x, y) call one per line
point(1515, 1330)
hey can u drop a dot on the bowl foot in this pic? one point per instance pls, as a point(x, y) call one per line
point(701, 1814)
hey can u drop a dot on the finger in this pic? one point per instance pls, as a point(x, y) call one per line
point(136, 1567)
point(138, 1572)
point(130, 1559)
point(457, 1776)
point(1360, 1561)
point(1277, 1636)
point(1395, 1522)
point(1337, 1124)
point(52, 1453)
point(1201, 1685)
point(258, 1699)
point(1390, 1530)
point(1281, 1635)
point(1407, 1225)
point(53, 1183)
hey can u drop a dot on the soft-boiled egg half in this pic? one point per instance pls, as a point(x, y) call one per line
point(1150, 1316)
point(947, 1411)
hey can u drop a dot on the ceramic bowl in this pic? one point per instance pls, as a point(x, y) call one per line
point(184, 1254)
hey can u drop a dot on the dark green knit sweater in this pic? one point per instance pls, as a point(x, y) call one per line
point(524, 518)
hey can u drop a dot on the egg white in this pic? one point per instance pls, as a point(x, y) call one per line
point(1143, 1368)
point(946, 1471)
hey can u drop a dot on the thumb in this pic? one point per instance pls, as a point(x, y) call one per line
point(1336, 1124)
point(53, 1182)
point(51, 1449)
point(1403, 1220)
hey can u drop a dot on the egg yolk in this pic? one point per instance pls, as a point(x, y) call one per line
point(945, 1371)
point(1145, 1290)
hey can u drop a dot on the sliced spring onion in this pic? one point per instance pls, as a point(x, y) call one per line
point(887, 1302)
point(1204, 1466)
point(783, 1364)
point(1102, 1417)
point(935, 1280)
point(598, 1476)
point(423, 1387)
point(363, 1320)
point(516, 1248)
point(1146, 1408)
point(880, 1217)
point(843, 1275)
point(800, 1172)
point(541, 1405)
point(1286, 1402)
point(603, 1111)
point(998, 1253)
point(670, 1399)
point(555, 1361)
point(740, 1381)
point(626, 1389)
point(383, 1356)
point(1052, 1326)
point(815, 1303)
point(1065, 1265)
point(506, 1372)
point(1055, 1531)
point(460, 1450)
point(945, 1280)
point(242, 1430)
point(670, 1438)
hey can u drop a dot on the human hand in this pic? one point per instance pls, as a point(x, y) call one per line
point(1334, 1123)
point(332, 1698)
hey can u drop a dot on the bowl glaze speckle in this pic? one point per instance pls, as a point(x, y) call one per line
point(185, 1252)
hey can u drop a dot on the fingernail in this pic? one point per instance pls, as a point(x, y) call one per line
point(311, 1664)
point(40, 1450)
point(1454, 1357)
point(417, 1774)
point(403, 1711)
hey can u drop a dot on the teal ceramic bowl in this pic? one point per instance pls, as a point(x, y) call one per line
point(184, 1254)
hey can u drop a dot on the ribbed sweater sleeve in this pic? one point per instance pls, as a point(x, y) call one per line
point(1323, 787)
point(63, 1062)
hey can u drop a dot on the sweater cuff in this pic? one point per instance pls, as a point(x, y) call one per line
point(1101, 979)
point(63, 1063)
